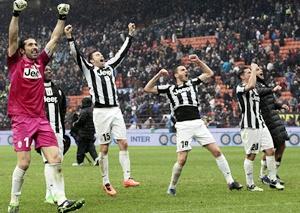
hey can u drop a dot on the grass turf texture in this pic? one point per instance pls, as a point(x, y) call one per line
point(201, 187)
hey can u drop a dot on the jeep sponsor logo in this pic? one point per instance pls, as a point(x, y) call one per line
point(104, 72)
point(32, 73)
point(255, 96)
point(185, 89)
point(50, 99)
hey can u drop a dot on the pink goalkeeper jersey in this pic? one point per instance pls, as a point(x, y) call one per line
point(26, 93)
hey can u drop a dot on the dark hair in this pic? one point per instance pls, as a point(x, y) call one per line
point(175, 70)
point(21, 44)
point(90, 55)
point(241, 71)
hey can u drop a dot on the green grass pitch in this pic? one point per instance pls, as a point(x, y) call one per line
point(201, 186)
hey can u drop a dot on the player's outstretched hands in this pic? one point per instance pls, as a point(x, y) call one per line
point(63, 9)
point(68, 31)
point(163, 72)
point(254, 67)
point(131, 29)
point(194, 58)
point(19, 5)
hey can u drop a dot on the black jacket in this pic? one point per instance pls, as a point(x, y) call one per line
point(269, 107)
point(85, 125)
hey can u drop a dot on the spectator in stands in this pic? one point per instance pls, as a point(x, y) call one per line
point(236, 37)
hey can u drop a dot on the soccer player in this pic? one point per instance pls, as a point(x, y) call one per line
point(184, 104)
point(108, 118)
point(26, 108)
point(269, 107)
point(55, 105)
point(254, 133)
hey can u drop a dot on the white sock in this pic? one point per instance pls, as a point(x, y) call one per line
point(277, 165)
point(271, 167)
point(56, 182)
point(263, 168)
point(176, 171)
point(48, 182)
point(224, 168)
point(125, 163)
point(17, 182)
point(103, 164)
point(248, 167)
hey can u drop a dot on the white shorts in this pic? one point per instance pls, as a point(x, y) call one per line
point(255, 140)
point(186, 131)
point(109, 122)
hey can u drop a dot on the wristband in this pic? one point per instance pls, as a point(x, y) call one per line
point(16, 13)
point(62, 17)
point(70, 39)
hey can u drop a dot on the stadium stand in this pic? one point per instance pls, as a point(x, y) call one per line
point(223, 33)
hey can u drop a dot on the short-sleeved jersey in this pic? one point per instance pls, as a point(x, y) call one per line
point(183, 98)
point(249, 105)
point(26, 93)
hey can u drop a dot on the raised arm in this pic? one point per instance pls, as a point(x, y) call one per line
point(151, 85)
point(63, 10)
point(207, 73)
point(118, 58)
point(13, 30)
point(80, 60)
point(252, 80)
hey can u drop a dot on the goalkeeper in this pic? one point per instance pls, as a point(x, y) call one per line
point(26, 109)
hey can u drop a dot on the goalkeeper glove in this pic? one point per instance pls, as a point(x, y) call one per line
point(18, 6)
point(63, 10)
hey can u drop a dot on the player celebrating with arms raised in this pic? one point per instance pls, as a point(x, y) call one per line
point(27, 111)
point(184, 104)
point(254, 132)
point(107, 116)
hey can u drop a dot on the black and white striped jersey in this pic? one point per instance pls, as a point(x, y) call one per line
point(183, 99)
point(249, 105)
point(55, 106)
point(101, 81)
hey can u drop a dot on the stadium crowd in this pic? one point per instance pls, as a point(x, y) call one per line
point(252, 21)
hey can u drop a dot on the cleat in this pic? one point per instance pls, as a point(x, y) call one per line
point(13, 208)
point(235, 185)
point(265, 180)
point(171, 191)
point(254, 188)
point(130, 183)
point(109, 189)
point(50, 200)
point(276, 185)
point(280, 180)
point(70, 205)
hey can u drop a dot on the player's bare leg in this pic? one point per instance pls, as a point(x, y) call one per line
point(223, 166)
point(176, 172)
